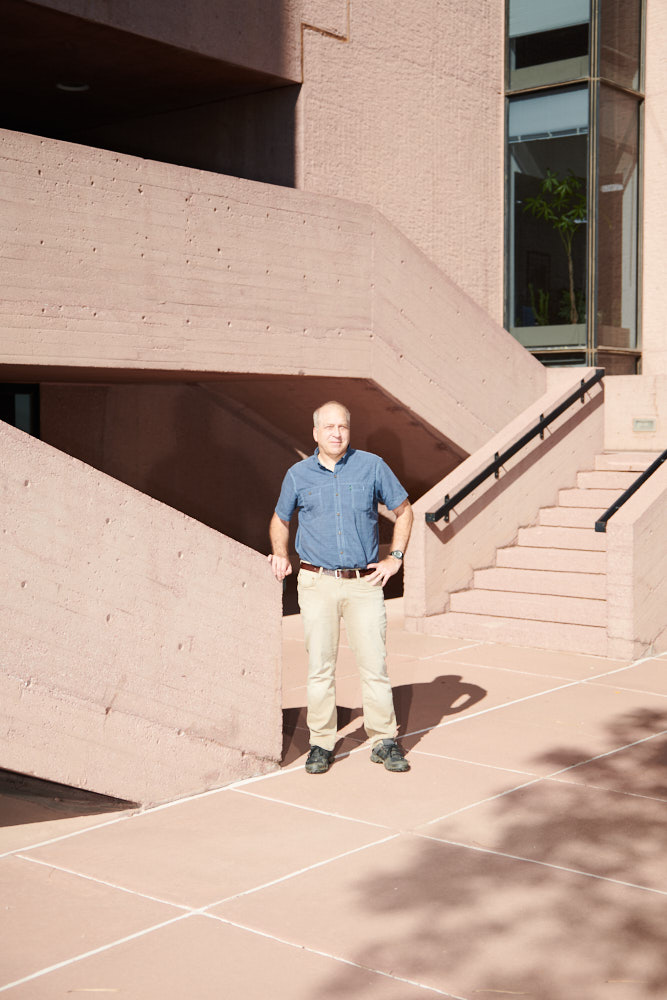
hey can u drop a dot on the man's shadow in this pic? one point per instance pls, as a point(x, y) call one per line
point(419, 708)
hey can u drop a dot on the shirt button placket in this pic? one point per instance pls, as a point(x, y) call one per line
point(339, 529)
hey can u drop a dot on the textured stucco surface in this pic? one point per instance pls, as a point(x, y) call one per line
point(407, 115)
point(113, 262)
point(637, 570)
point(140, 650)
point(654, 331)
point(630, 398)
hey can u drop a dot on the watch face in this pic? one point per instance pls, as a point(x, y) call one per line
point(397, 553)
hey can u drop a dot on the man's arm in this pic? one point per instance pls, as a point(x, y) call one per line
point(388, 567)
point(279, 558)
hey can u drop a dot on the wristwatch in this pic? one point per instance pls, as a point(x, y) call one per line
point(397, 554)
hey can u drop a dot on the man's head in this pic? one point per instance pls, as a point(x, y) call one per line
point(331, 430)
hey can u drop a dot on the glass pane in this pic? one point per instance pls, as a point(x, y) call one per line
point(547, 221)
point(620, 41)
point(548, 42)
point(617, 219)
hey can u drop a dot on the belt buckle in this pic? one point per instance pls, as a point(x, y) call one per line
point(338, 573)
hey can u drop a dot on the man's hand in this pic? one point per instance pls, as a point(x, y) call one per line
point(281, 566)
point(279, 559)
point(384, 569)
point(390, 565)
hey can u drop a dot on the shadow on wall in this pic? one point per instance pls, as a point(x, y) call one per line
point(586, 921)
point(207, 85)
point(419, 707)
point(178, 445)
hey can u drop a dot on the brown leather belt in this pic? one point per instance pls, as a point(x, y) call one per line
point(340, 574)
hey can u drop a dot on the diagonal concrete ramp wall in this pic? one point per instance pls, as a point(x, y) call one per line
point(116, 263)
point(140, 650)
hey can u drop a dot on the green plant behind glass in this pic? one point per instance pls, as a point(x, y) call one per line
point(539, 305)
point(562, 203)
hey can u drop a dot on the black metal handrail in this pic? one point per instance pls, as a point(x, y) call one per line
point(601, 524)
point(500, 459)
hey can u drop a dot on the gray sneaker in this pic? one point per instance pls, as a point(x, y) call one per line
point(318, 760)
point(391, 755)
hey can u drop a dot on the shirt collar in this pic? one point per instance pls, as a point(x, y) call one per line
point(341, 461)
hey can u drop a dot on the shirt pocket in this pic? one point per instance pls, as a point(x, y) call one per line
point(310, 500)
point(361, 496)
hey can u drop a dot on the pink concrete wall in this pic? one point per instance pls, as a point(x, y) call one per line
point(407, 115)
point(399, 109)
point(637, 571)
point(654, 330)
point(141, 650)
point(630, 398)
point(113, 262)
point(443, 557)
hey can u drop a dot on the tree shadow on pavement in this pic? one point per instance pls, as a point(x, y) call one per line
point(554, 891)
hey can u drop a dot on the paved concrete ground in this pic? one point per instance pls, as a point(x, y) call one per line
point(522, 856)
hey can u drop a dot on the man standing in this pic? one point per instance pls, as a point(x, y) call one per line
point(336, 492)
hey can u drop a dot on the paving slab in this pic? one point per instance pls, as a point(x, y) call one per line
point(357, 788)
point(647, 675)
point(639, 769)
point(601, 832)
point(471, 923)
point(576, 666)
point(202, 958)
point(26, 824)
point(522, 855)
point(206, 849)
point(50, 916)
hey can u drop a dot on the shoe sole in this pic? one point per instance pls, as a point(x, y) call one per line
point(395, 770)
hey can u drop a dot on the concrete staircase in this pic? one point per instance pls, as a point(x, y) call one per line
point(548, 590)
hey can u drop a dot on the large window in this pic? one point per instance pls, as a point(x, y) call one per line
point(573, 132)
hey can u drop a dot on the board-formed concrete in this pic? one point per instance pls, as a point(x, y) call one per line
point(140, 649)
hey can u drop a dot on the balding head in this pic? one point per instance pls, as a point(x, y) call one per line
point(324, 406)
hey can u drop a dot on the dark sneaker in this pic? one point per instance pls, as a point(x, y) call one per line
point(318, 760)
point(391, 755)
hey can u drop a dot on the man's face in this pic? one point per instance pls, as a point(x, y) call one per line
point(332, 433)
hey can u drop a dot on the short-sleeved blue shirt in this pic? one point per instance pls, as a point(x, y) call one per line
point(338, 510)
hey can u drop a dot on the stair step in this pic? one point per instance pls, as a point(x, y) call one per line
point(565, 560)
point(540, 607)
point(605, 480)
point(587, 498)
point(628, 461)
point(570, 517)
point(514, 631)
point(527, 581)
point(580, 539)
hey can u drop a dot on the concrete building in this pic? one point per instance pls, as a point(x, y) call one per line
point(219, 214)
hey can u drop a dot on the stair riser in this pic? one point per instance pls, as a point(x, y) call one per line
point(579, 539)
point(587, 585)
point(537, 607)
point(570, 517)
point(635, 462)
point(588, 498)
point(540, 635)
point(562, 560)
point(605, 480)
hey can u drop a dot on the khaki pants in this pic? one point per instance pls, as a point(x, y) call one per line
point(323, 601)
